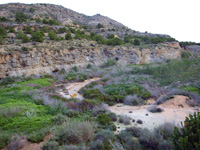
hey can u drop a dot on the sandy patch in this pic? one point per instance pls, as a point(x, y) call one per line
point(32, 146)
point(175, 111)
point(73, 88)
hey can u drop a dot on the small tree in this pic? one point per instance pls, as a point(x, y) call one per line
point(11, 30)
point(20, 34)
point(68, 36)
point(3, 32)
point(1, 40)
point(25, 39)
point(38, 36)
point(99, 26)
point(188, 136)
point(2, 19)
point(28, 30)
point(136, 42)
point(52, 35)
point(62, 30)
point(20, 17)
point(111, 36)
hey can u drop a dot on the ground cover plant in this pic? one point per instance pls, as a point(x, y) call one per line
point(30, 106)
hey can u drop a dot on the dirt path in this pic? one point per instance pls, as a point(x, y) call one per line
point(175, 111)
point(73, 89)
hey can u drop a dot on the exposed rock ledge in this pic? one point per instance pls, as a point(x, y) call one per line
point(45, 59)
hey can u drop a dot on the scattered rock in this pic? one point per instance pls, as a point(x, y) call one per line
point(139, 121)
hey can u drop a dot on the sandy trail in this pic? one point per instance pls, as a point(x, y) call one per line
point(175, 111)
point(73, 88)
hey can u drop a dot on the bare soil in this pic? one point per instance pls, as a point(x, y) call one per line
point(73, 88)
point(175, 111)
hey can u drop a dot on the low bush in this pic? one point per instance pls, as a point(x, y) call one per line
point(165, 130)
point(16, 144)
point(103, 119)
point(113, 116)
point(75, 132)
point(4, 139)
point(110, 62)
point(149, 140)
point(134, 131)
point(124, 119)
point(72, 113)
point(36, 137)
point(154, 109)
point(59, 119)
point(96, 145)
point(105, 136)
point(187, 137)
point(50, 145)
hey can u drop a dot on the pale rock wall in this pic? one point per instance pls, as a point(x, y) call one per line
point(45, 61)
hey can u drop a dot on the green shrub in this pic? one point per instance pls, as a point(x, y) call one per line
point(4, 139)
point(2, 19)
point(28, 30)
point(96, 145)
point(100, 39)
point(75, 132)
point(185, 54)
point(113, 116)
point(25, 48)
point(149, 140)
point(2, 40)
point(94, 94)
point(50, 145)
point(68, 36)
point(110, 62)
point(38, 36)
point(89, 66)
point(111, 36)
point(3, 32)
point(58, 119)
point(72, 113)
point(20, 34)
point(187, 137)
point(52, 35)
point(114, 41)
point(103, 119)
point(105, 136)
point(25, 39)
point(134, 131)
point(44, 29)
point(99, 26)
point(11, 29)
point(62, 30)
point(20, 17)
point(137, 42)
point(75, 68)
point(36, 137)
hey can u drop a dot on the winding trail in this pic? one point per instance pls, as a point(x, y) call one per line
point(73, 88)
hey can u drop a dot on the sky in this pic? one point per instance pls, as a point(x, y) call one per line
point(177, 18)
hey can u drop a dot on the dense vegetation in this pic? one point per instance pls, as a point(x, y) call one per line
point(31, 106)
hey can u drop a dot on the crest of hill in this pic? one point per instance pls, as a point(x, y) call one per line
point(61, 14)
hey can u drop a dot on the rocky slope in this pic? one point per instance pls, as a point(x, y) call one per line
point(67, 17)
point(48, 57)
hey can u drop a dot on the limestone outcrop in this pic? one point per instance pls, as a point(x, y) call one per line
point(47, 57)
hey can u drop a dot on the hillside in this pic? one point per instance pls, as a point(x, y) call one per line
point(67, 16)
point(74, 82)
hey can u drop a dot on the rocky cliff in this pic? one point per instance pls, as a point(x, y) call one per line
point(48, 57)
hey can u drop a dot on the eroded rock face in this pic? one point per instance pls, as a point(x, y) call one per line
point(45, 60)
